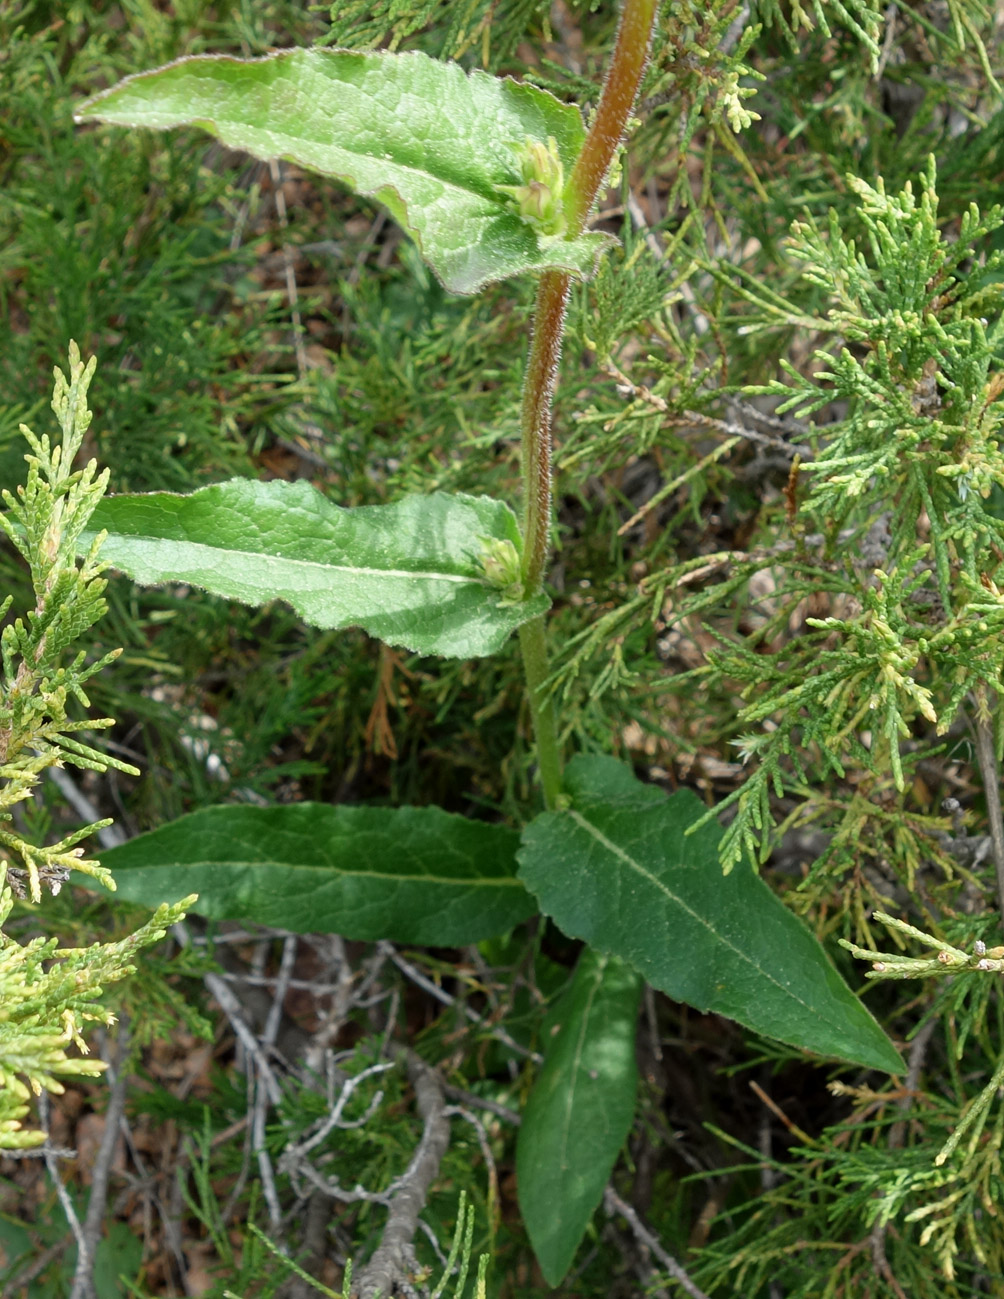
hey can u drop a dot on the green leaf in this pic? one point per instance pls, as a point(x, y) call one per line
point(619, 871)
point(119, 1254)
point(579, 1113)
point(412, 573)
point(408, 874)
point(430, 142)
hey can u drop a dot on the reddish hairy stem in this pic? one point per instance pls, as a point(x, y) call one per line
point(538, 392)
point(630, 55)
point(634, 36)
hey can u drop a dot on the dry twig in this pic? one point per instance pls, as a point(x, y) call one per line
point(394, 1258)
point(615, 1204)
point(986, 756)
point(419, 979)
point(87, 1242)
point(897, 1133)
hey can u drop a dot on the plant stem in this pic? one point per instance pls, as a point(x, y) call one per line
point(538, 392)
point(627, 64)
point(626, 67)
point(986, 757)
point(634, 36)
point(533, 644)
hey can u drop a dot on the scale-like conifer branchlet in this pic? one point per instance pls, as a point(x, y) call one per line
point(44, 521)
point(48, 994)
point(901, 490)
point(897, 545)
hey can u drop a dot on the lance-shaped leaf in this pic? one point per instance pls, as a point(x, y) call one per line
point(429, 141)
point(413, 573)
point(579, 1113)
point(407, 874)
point(619, 870)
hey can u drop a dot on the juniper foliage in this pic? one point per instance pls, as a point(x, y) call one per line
point(49, 994)
point(894, 519)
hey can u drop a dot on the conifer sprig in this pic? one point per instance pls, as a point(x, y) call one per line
point(49, 995)
point(44, 520)
point(901, 492)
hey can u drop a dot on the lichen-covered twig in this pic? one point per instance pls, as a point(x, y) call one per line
point(394, 1259)
point(615, 1204)
point(83, 1277)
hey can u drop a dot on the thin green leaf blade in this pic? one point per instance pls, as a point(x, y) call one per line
point(619, 871)
point(409, 573)
point(424, 138)
point(407, 874)
point(579, 1113)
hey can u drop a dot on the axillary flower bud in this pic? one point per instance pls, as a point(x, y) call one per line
point(539, 198)
point(499, 562)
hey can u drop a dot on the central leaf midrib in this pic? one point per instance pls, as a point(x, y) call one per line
point(310, 564)
point(639, 869)
point(577, 1070)
point(342, 872)
point(292, 142)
